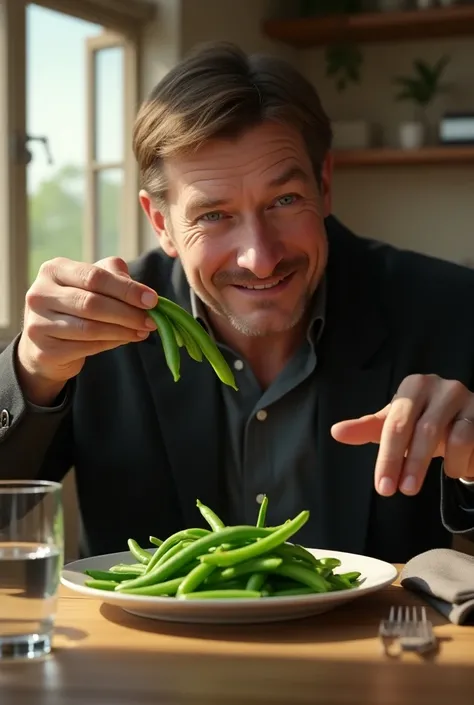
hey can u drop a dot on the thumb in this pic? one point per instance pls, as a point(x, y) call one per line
point(115, 265)
point(366, 429)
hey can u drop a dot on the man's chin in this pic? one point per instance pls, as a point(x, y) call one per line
point(262, 326)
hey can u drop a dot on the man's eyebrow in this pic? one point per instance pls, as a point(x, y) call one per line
point(293, 173)
point(200, 202)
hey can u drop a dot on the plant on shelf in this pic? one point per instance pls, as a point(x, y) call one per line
point(344, 64)
point(420, 89)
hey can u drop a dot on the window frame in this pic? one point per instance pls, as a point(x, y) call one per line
point(120, 16)
point(129, 241)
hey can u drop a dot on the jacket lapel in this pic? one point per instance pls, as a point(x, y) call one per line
point(190, 418)
point(354, 379)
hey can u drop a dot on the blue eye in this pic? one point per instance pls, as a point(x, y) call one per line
point(212, 217)
point(285, 200)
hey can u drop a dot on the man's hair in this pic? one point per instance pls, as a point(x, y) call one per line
point(218, 91)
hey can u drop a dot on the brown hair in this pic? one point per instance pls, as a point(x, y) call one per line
point(218, 91)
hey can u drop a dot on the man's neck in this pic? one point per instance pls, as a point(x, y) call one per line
point(266, 355)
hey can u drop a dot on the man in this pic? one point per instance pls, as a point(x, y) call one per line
point(353, 360)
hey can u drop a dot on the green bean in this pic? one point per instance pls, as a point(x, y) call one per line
point(228, 558)
point(140, 554)
point(125, 568)
point(168, 588)
point(352, 576)
point(262, 514)
point(211, 517)
point(338, 582)
point(171, 540)
point(117, 576)
point(196, 550)
point(174, 550)
point(220, 594)
point(101, 584)
point(302, 575)
point(304, 590)
point(327, 565)
point(170, 348)
point(293, 551)
point(194, 579)
point(177, 333)
point(193, 349)
point(155, 541)
point(205, 342)
point(264, 564)
point(256, 581)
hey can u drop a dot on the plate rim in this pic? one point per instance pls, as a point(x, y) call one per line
point(159, 601)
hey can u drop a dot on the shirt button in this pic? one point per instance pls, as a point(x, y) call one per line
point(261, 415)
point(239, 365)
point(260, 497)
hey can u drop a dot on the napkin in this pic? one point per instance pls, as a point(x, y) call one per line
point(445, 577)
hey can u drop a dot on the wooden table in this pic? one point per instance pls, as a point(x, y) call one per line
point(103, 656)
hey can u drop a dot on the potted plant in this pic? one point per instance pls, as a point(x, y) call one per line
point(421, 88)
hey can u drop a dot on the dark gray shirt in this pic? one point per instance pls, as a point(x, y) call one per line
point(270, 445)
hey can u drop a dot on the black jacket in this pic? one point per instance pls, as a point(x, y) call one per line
point(144, 448)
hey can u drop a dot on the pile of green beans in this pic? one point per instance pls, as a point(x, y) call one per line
point(178, 329)
point(225, 562)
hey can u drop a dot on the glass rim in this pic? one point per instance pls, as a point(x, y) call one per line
point(29, 486)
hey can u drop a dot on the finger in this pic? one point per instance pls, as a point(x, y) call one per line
point(71, 351)
point(97, 279)
point(116, 265)
point(459, 450)
point(429, 433)
point(397, 432)
point(62, 326)
point(366, 429)
point(67, 301)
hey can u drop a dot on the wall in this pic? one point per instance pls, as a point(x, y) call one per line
point(429, 209)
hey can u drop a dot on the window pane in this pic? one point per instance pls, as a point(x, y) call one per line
point(109, 185)
point(56, 111)
point(109, 104)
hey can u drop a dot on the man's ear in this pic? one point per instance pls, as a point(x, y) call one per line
point(326, 183)
point(158, 223)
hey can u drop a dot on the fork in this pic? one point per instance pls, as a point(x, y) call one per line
point(412, 630)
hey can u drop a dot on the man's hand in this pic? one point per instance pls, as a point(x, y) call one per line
point(74, 310)
point(427, 417)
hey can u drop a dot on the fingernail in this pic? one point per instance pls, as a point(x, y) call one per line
point(409, 484)
point(386, 486)
point(149, 299)
point(142, 333)
point(150, 323)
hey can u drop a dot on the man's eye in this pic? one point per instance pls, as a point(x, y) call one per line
point(285, 200)
point(212, 217)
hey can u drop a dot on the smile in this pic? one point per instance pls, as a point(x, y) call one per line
point(267, 285)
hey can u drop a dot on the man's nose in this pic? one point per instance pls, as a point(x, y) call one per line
point(259, 250)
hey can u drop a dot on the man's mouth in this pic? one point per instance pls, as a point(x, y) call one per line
point(272, 284)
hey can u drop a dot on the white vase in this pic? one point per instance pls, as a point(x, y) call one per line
point(411, 134)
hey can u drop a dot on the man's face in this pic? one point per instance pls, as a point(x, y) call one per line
point(246, 218)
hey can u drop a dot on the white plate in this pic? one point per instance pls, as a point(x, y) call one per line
point(377, 574)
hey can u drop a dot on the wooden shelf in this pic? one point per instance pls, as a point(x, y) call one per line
point(353, 158)
point(373, 27)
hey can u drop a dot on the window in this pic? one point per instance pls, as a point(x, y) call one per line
point(68, 98)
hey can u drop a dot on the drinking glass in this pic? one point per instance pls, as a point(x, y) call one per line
point(31, 560)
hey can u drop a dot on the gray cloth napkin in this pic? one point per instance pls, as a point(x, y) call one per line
point(446, 579)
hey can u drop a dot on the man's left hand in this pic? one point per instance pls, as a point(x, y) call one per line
point(428, 417)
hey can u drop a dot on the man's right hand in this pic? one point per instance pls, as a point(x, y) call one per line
point(74, 310)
